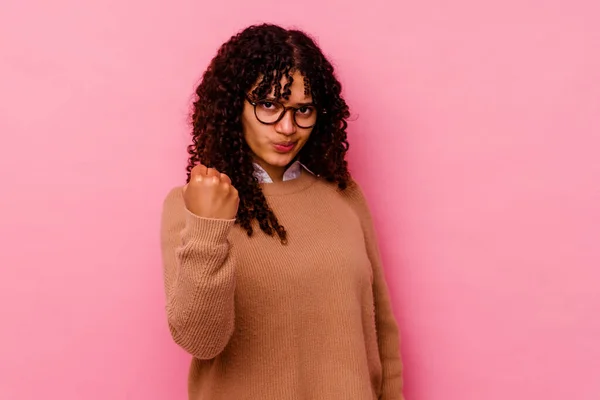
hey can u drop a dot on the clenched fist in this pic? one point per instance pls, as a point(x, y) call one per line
point(210, 194)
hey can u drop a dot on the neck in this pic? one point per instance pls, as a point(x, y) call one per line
point(276, 175)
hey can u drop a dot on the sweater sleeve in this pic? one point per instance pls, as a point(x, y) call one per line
point(388, 334)
point(199, 278)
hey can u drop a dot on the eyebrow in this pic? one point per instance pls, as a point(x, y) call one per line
point(302, 104)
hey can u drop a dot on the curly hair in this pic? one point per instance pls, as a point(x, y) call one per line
point(269, 53)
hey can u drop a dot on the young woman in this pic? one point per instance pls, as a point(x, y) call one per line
point(272, 274)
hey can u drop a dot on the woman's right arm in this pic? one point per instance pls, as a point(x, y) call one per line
point(199, 278)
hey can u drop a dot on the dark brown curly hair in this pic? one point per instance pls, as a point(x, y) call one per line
point(269, 53)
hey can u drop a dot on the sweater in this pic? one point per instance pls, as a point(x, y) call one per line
point(308, 320)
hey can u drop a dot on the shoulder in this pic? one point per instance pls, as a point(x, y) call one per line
point(353, 195)
point(354, 191)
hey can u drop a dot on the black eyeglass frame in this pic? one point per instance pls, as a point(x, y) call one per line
point(254, 103)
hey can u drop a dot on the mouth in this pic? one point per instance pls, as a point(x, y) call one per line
point(284, 147)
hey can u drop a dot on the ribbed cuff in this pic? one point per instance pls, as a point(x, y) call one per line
point(206, 229)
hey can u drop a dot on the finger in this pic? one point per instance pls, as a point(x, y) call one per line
point(212, 172)
point(212, 180)
point(225, 187)
point(225, 178)
point(199, 169)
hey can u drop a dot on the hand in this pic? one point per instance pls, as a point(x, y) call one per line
point(210, 194)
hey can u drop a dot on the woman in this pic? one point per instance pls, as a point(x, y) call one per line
point(272, 275)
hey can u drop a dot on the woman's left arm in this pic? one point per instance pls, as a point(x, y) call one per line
point(388, 334)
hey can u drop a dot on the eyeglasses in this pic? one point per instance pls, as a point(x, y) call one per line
point(270, 112)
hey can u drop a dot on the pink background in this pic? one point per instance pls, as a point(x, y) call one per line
point(475, 134)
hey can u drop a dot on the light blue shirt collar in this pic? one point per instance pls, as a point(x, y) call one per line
point(293, 172)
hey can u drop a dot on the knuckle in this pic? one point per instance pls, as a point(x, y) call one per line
point(197, 179)
point(195, 171)
point(212, 172)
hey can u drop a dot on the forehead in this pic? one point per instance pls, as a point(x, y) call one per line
point(298, 90)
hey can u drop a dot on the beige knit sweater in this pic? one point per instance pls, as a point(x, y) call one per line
point(310, 320)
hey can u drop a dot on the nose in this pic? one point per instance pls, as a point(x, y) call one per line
point(286, 125)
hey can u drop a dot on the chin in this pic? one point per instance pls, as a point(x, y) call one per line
point(280, 160)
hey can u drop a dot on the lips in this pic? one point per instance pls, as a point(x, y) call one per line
point(284, 147)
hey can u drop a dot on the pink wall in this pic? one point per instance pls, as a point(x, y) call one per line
point(476, 140)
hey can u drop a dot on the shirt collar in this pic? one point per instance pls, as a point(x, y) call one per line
point(293, 172)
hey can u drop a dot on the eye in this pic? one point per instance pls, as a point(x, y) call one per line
point(306, 110)
point(267, 105)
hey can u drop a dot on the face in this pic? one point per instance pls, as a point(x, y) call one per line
point(275, 146)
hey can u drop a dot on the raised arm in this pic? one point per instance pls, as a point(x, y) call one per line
point(199, 271)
